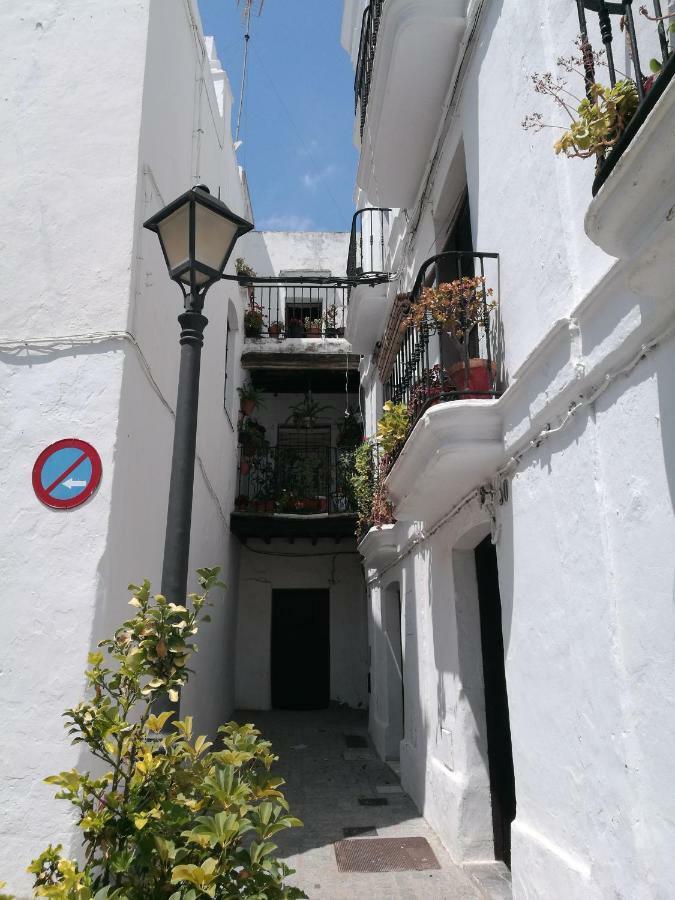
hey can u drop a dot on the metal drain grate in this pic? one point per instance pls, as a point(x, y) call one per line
point(373, 801)
point(355, 741)
point(385, 855)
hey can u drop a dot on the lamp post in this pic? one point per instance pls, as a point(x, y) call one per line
point(197, 233)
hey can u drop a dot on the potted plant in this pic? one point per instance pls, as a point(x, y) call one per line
point(275, 329)
point(332, 329)
point(305, 413)
point(253, 319)
point(241, 502)
point(392, 429)
point(250, 397)
point(244, 271)
point(457, 307)
point(295, 328)
point(313, 327)
point(252, 438)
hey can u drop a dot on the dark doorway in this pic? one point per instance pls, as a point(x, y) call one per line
point(500, 757)
point(300, 649)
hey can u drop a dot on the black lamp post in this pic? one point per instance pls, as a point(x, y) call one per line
point(197, 234)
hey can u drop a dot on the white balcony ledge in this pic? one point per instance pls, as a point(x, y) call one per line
point(379, 547)
point(453, 448)
point(367, 312)
point(634, 210)
point(417, 49)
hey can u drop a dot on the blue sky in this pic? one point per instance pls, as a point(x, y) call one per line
point(298, 111)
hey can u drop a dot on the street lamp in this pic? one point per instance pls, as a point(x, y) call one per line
point(197, 234)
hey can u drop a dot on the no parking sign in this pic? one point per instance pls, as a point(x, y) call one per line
point(66, 473)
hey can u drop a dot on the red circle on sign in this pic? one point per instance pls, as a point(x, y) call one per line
point(88, 453)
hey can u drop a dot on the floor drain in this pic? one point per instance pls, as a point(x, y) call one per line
point(373, 801)
point(385, 855)
point(352, 831)
point(355, 741)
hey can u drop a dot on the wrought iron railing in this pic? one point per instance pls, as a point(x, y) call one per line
point(287, 310)
point(370, 25)
point(650, 83)
point(296, 481)
point(451, 367)
point(367, 244)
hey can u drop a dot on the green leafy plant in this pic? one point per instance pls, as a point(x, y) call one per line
point(251, 397)
point(392, 429)
point(306, 413)
point(253, 318)
point(597, 120)
point(368, 490)
point(171, 816)
point(350, 431)
point(243, 269)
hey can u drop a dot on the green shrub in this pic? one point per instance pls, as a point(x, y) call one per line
point(172, 816)
point(392, 428)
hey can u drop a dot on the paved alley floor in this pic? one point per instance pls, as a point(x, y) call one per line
point(323, 789)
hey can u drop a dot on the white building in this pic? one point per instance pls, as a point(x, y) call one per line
point(534, 530)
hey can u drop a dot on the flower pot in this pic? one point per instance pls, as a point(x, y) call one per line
point(314, 332)
point(331, 332)
point(323, 504)
point(480, 378)
point(247, 407)
point(295, 330)
point(268, 506)
point(241, 502)
point(244, 467)
point(252, 331)
point(274, 330)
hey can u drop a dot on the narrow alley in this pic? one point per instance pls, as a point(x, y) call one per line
point(327, 781)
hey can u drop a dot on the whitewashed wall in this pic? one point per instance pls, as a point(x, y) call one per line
point(585, 540)
point(326, 565)
point(274, 252)
point(83, 162)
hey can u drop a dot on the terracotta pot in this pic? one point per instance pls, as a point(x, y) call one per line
point(313, 332)
point(323, 504)
point(480, 378)
point(247, 407)
point(268, 506)
point(274, 331)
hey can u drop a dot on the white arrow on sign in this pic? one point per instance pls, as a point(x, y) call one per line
point(71, 483)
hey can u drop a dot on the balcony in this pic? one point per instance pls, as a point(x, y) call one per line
point(445, 369)
point(631, 214)
point(296, 323)
point(367, 262)
point(407, 54)
point(653, 37)
point(295, 491)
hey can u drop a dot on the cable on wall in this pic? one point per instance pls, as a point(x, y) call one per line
point(511, 466)
point(63, 342)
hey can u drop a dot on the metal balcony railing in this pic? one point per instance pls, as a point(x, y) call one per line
point(650, 82)
point(370, 25)
point(289, 310)
point(296, 481)
point(454, 366)
point(367, 244)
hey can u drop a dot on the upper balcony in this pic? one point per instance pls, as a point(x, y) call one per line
point(407, 54)
point(295, 322)
point(634, 187)
point(441, 361)
point(367, 264)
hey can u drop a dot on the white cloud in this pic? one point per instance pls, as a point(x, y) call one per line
point(285, 223)
point(309, 149)
point(312, 180)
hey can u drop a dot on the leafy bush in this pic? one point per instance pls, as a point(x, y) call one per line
point(171, 816)
point(392, 428)
point(367, 482)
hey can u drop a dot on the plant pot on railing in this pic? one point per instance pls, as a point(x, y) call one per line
point(478, 380)
point(275, 329)
point(295, 329)
point(313, 327)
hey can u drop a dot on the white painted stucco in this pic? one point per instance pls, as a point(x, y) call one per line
point(281, 564)
point(83, 153)
point(584, 537)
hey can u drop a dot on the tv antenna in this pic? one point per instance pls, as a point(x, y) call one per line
point(248, 8)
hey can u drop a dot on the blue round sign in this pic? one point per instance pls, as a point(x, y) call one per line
point(66, 473)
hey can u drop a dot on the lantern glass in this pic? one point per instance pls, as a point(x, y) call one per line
point(214, 238)
point(174, 233)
